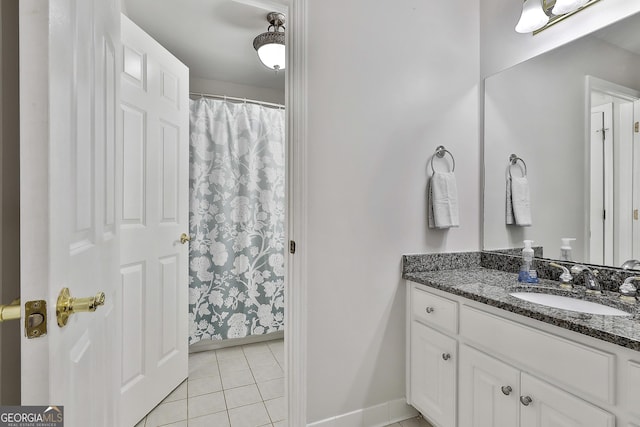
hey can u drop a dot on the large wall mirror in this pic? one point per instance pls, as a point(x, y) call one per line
point(571, 114)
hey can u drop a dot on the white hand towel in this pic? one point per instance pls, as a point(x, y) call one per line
point(442, 200)
point(509, 213)
point(518, 201)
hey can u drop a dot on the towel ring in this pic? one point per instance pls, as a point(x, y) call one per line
point(513, 159)
point(440, 152)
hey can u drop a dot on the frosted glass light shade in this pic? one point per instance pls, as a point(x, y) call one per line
point(272, 55)
point(566, 6)
point(533, 17)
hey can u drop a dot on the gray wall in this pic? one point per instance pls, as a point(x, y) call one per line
point(382, 95)
point(9, 201)
point(218, 87)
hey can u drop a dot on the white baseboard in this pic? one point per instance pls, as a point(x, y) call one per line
point(208, 345)
point(380, 415)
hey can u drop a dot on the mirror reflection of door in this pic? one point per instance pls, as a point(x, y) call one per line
point(614, 178)
point(636, 180)
point(601, 237)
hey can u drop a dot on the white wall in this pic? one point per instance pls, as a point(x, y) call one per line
point(388, 81)
point(218, 87)
point(501, 47)
point(537, 111)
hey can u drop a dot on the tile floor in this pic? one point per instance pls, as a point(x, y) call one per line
point(413, 422)
point(239, 386)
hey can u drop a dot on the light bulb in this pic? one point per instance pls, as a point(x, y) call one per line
point(533, 17)
point(566, 6)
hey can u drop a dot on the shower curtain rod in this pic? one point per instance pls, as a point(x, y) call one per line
point(232, 98)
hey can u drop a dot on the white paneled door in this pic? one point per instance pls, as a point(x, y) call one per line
point(104, 199)
point(155, 203)
point(69, 96)
point(489, 390)
point(433, 371)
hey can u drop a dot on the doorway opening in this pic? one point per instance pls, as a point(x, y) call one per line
point(236, 360)
point(614, 173)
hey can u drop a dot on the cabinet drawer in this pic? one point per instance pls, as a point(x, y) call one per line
point(434, 310)
point(574, 366)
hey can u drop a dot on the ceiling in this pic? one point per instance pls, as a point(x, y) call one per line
point(623, 34)
point(214, 38)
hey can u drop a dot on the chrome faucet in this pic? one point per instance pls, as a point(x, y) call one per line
point(565, 277)
point(590, 281)
point(632, 264)
point(628, 290)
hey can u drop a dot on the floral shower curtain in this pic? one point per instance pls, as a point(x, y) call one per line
point(236, 220)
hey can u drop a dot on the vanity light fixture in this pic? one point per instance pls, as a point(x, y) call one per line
point(538, 15)
point(533, 17)
point(270, 45)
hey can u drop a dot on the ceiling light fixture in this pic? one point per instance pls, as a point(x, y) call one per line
point(270, 45)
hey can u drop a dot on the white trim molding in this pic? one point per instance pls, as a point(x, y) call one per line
point(380, 415)
point(296, 286)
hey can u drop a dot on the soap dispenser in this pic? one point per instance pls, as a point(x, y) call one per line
point(527, 273)
point(565, 249)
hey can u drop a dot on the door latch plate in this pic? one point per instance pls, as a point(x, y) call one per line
point(35, 319)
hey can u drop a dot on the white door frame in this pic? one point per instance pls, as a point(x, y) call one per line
point(296, 193)
point(295, 331)
point(598, 85)
point(636, 183)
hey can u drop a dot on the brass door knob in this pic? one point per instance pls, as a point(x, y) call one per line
point(184, 238)
point(67, 305)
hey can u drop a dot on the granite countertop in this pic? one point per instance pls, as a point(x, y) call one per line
point(492, 287)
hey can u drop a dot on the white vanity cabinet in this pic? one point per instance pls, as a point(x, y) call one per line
point(470, 366)
point(493, 393)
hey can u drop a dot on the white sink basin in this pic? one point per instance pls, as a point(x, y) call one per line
point(567, 303)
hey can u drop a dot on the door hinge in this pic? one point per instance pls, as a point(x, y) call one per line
point(292, 246)
point(636, 127)
point(635, 214)
point(604, 214)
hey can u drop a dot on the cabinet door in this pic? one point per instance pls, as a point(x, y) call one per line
point(546, 405)
point(433, 374)
point(488, 391)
